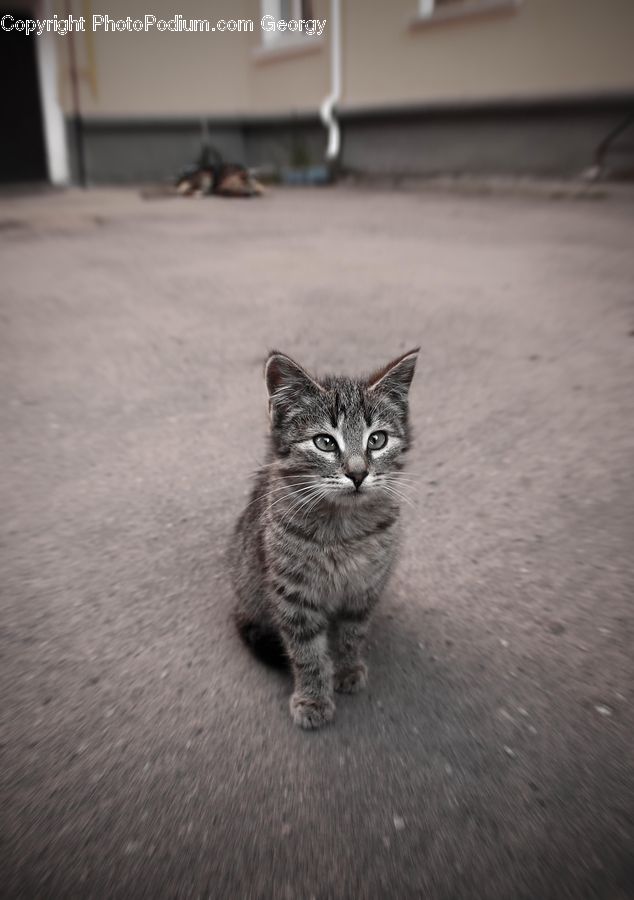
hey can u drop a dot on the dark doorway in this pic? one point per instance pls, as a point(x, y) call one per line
point(22, 153)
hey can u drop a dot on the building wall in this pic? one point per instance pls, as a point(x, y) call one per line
point(558, 140)
point(288, 82)
point(537, 48)
point(151, 150)
point(472, 94)
point(163, 74)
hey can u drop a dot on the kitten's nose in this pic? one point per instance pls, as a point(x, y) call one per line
point(356, 471)
point(357, 478)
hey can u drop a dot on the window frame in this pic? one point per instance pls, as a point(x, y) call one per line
point(432, 12)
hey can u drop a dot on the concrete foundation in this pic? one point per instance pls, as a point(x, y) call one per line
point(554, 139)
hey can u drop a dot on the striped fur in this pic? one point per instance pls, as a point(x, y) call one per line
point(316, 543)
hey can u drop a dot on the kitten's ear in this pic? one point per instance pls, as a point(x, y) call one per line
point(286, 380)
point(396, 376)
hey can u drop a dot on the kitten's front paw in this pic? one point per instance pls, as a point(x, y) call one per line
point(309, 713)
point(353, 680)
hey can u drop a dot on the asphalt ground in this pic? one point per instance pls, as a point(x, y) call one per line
point(144, 753)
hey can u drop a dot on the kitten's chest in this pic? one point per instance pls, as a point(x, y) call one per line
point(351, 568)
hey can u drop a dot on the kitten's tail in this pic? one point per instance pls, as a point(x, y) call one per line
point(264, 641)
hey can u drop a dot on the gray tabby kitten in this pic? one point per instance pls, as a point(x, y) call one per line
point(315, 545)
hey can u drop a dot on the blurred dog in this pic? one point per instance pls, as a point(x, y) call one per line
point(209, 177)
point(223, 179)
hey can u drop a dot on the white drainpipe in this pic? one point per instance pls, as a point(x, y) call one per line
point(47, 46)
point(328, 105)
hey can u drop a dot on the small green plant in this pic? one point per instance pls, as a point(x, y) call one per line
point(300, 156)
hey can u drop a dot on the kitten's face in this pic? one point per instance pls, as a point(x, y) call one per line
point(345, 437)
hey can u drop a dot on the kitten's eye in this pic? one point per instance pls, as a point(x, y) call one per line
point(325, 442)
point(377, 440)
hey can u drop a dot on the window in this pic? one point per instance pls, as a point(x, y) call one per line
point(429, 7)
point(439, 10)
point(287, 11)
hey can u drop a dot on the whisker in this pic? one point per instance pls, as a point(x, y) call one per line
point(390, 489)
point(318, 494)
point(274, 473)
point(386, 479)
point(401, 500)
point(297, 493)
point(409, 485)
point(276, 490)
point(402, 476)
point(401, 485)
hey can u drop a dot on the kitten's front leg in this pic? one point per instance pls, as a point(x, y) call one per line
point(351, 673)
point(305, 636)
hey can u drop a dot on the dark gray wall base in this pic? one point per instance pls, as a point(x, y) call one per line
point(152, 151)
point(556, 139)
point(549, 142)
point(295, 142)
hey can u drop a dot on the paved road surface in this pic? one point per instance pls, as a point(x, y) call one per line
point(144, 754)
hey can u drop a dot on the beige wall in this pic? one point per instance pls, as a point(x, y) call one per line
point(156, 73)
point(287, 83)
point(545, 48)
point(185, 74)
